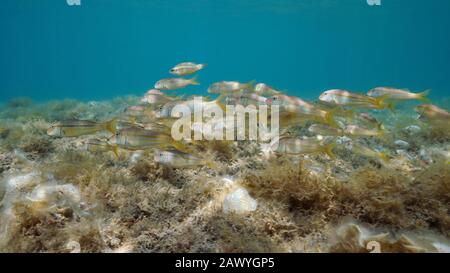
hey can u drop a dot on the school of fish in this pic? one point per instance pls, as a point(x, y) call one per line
point(336, 113)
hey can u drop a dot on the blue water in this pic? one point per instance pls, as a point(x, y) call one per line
point(108, 48)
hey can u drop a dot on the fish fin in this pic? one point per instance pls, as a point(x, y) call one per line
point(194, 81)
point(115, 150)
point(391, 107)
point(383, 157)
point(111, 126)
point(179, 146)
point(329, 118)
point(380, 101)
point(250, 85)
point(328, 149)
point(422, 96)
point(220, 104)
point(211, 164)
point(380, 133)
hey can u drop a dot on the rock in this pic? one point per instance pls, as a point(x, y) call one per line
point(425, 156)
point(413, 129)
point(401, 144)
point(239, 201)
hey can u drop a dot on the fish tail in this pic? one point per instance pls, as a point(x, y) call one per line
point(111, 126)
point(179, 146)
point(203, 65)
point(211, 164)
point(422, 96)
point(380, 132)
point(194, 81)
point(219, 103)
point(250, 85)
point(391, 107)
point(328, 149)
point(329, 118)
point(115, 150)
point(379, 102)
point(383, 157)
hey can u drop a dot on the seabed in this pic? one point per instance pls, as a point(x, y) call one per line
point(56, 196)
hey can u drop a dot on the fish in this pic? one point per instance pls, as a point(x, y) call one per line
point(157, 127)
point(138, 111)
point(295, 146)
point(325, 130)
point(263, 89)
point(165, 111)
point(175, 83)
point(368, 152)
point(123, 124)
point(336, 109)
point(249, 99)
point(177, 159)
point(135, 139)
point(301, 107)
point(355, 130)
point(230, 87)
point(186, 68)
point(156, 97)
point(346, 98)
point(397, 94)
point(75, 128)
point(98, 145)
point(433, 113)
point(370, 120)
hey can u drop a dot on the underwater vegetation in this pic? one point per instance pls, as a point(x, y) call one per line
point(349, 172)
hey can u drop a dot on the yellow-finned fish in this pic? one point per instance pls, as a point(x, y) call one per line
point(175, 83)
point(165, 111)
point(263, 89)
point(74, 128)
point(156, 97)
point(336, 109)
point(346, 98)
point(302, 108)
point(186, 68)
point(230, 87)
point(98, 145)
point(432, 113)
point(140, 139)
point(137, 111)
point(397, 94)
point(295, 146)
point(325, 130)
point(157, 127)
point(355, 130)
point(248, 99)
point(370, 120)
point(177, 159)
point(366, 151)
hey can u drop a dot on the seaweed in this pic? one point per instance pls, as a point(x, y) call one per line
point(133, 204)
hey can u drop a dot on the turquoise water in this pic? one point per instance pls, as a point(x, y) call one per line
point(108, 48)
